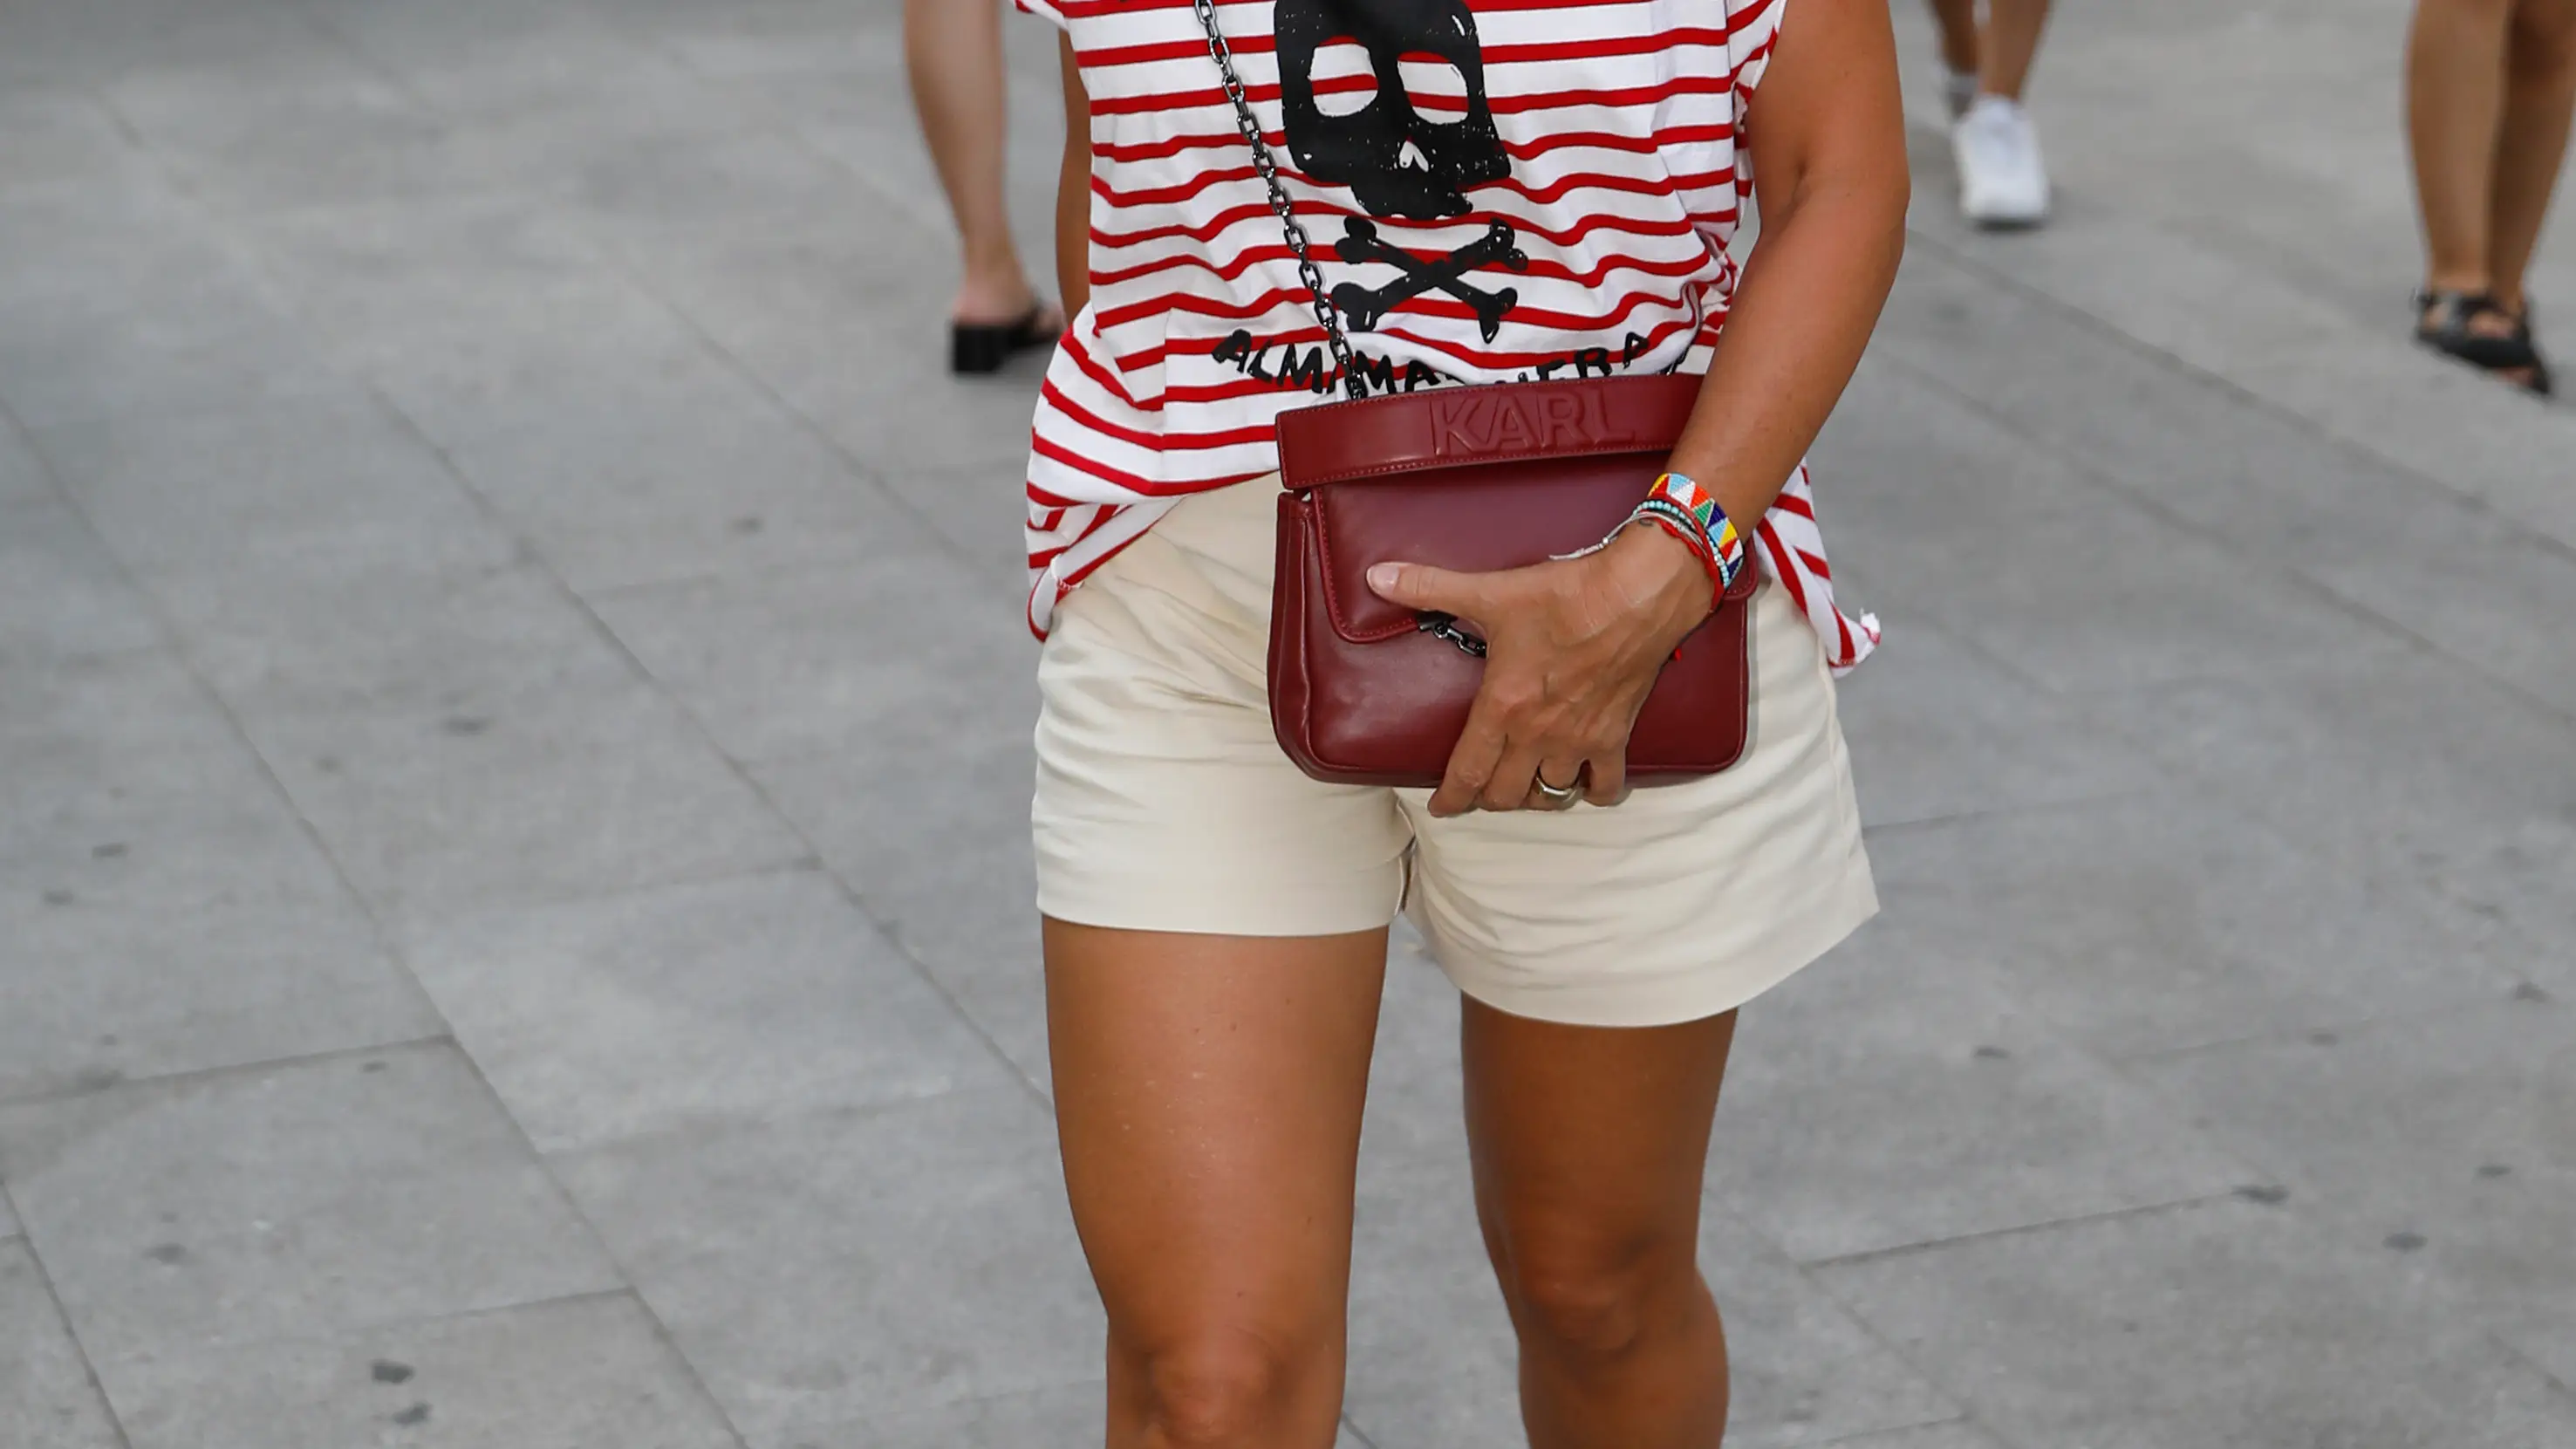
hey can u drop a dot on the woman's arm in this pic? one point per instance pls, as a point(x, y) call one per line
point(1574, 646)
point(1827, 143)
point(1073, 192)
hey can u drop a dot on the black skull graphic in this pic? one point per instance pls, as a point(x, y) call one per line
point(1396, 161)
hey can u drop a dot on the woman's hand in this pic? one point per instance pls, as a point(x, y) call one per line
point(1572, 648)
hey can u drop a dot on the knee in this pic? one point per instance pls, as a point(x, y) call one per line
point(1218, 1390)
point(1579, 1301)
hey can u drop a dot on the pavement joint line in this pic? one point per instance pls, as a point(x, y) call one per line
point(804, 422)
point(1352, 1425)
point(63, 1317)
point(2004, 812)
point(2077, 1220)
point(1965, 260)
point(2292, 1036)
point(2514, 1351)
point(626, 1279)
point(2146, 501)
point(1862, 1438)
point(176, 639)
point(194, 1075)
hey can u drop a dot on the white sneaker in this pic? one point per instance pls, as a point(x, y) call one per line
point(2001, 180)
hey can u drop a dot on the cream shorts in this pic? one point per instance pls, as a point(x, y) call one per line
point(1165, 804)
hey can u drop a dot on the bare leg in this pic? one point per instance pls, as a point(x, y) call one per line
point(1589, 1145)
point(2009, 44)
point(2539, 97)
point(1958, 22)
point(952, 51)
point(2454, 103)
point(1208, 1093)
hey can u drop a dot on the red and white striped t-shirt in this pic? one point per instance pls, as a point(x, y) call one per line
point(1494, 190)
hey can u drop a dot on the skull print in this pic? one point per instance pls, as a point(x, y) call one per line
point(1397, 162)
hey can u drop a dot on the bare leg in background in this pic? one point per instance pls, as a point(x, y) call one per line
point(952, 52)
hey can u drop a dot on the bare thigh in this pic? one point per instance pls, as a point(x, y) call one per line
point(1208, 1095)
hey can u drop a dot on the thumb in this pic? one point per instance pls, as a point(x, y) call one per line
point(1420, 586)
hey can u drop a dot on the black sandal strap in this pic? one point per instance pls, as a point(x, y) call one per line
point(2446, 330)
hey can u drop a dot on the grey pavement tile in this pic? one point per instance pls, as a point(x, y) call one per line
point(928, 824)
point(774, 39)
point(61, 595)
point(46, 1398)
point(728, 484)
point(851, 659)
point(2143, 279)
point(2147, 924)
point(1955, 1434)
point(8, 1215)
point(95, 329)
point(2450, 1126)
point(300, 1200)
point(186, 945)
point(581, 1373)
point(22, 477)
point(545, 793)
point(2411, 773)
point(325, 484)
point(2439, 419)
point(479, 59)
point(1938, 730)
point(389, 640)
point(2483, 587)
point(469, 739)
point(84, 44)
point(2072, 583)
point(58, 135)
point(691, 1006)
point(820, 1266)
point(111, 749)
point(980, 511)
point(2260, 1330)
point(1895, 1093)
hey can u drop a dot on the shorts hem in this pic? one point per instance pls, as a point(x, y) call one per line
point(1688, 994)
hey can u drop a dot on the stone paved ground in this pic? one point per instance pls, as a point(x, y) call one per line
point(513, 750)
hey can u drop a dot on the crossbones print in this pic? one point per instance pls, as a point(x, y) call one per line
point(1363, 306)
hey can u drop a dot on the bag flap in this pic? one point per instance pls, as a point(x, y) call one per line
point(1470, 519)
point(1473, 479)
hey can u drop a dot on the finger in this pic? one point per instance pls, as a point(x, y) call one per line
point(1420, 586)
point(1605, 778)
point(1514, 784)
point(1471, 763)
point(1559, 772)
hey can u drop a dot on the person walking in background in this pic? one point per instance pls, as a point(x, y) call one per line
point(2490, 85)
point(2002, 182)
point(952, 52)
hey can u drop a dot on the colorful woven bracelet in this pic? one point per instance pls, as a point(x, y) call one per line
point(1685, 510)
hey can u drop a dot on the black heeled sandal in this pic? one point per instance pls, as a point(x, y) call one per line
point(976, 348)
point(2442, 323)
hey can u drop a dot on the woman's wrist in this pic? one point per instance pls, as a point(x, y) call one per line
point(1659, 576)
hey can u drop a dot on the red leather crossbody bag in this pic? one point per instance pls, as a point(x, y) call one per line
point(1473, 479)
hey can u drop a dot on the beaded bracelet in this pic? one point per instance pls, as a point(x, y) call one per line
point(1685, 510)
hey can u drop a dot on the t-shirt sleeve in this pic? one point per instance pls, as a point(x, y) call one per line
point(1044, 10)
point(1751, 27)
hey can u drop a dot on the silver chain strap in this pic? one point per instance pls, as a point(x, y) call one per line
point(1268, 167)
